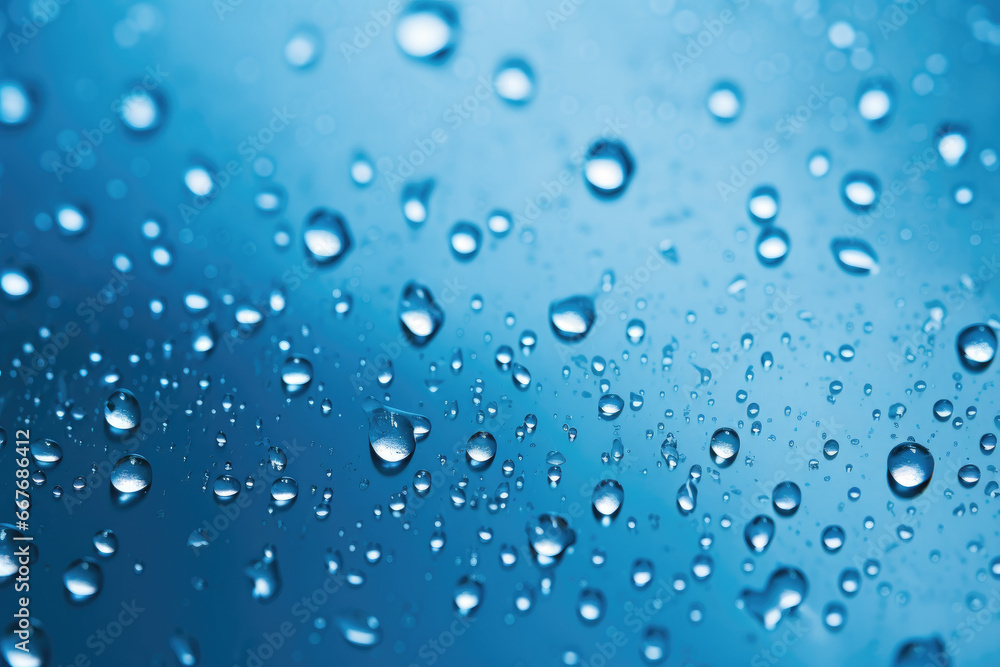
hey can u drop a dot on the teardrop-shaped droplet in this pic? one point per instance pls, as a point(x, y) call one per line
point(855, 256)
point(393, 434)
point(952, 143)
point(608, 497)
point(121, 410)
point(415, 201)
point(758, 533)
point(419, 315)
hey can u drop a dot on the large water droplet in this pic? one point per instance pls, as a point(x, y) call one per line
point(608, 497)
point(772, 246)
point(786, 589)
point(910, 467)
point(468, 596)
point(875, 101)
point(142, 111)
point(758, 533)
point(786, 498)
point(359, 629)
point(393, 434)
point(763, 204)
point(607, 168)
point(132, 474)
point(481, 447)
point(466, 238)
point(121, 411)
point(83, 579)
point(977, 346)
point(725, 102)
point(922, 652)
point(952, 144)
point(550, 535)
point(724, 447)
point(296, 374)
point(419, 315)
point(572, 318)
point(16, 104)
point(30, 648)
point(860, 191)
point(326, 236)
point(428, 30)
point(854, 256)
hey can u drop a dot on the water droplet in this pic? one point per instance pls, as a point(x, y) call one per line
point(725, 102)
point(121, 411)
point(83, 579)
point(303, 47)
point(132, 475)
point(758, 533)
point(610, 406)
point(786, 498)
point(654, 645)
point(142, 111)
point(415, 201)
point(786, 589)
point(468, 595)
point(724, 447)
point(875, 101)
point(550, 535)
point(833, 538)
point(572, 318)
point(910, 467)
point(393, 434)
point(590, 605)
point(922, 652)
point(264, 575)
point(855, 256)
point(296, 374)
point(428, 31)
point(515, 81)
point(608, 497)
point(419, 315)
point(16, 103)
point(17, 284)
point(860, 191)
point(772, 246)
point(466, 239)
point(977, 346)
point(15, 640)
point(763, 204)
point(359, 629)
point(481, 448)
point(607, 168)
point(952, 144)
point(326, 236)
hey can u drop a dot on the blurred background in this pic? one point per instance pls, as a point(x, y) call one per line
point(265, 246)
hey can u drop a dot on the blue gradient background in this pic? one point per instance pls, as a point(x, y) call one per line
point(606, 65)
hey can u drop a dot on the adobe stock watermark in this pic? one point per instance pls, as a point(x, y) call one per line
point(550, 189)
point(454, 117)
point(703, 40)
point(74, 155)
point(43, 12)
point(784, 129)
point(371, 30)
point(896, 15)
point(248, 149)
